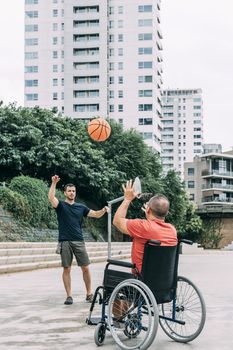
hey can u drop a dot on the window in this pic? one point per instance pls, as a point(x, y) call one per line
point(55, 40)
point(145, 36)
point(31, 97)
point(120, 65)
point(196, 107)
point(31, 2)
point(191, 184)
point(145, 22)
point(120, 80)
point(197, 143)
point(145, 121)
point(120, 51)
point(30, 83)
point(192, 197)
point(111, 94)
point(55, 68)
point(55, 27)
point(120, 37)
point(120, 93)
point(31, 55)
point(86, 9)
point(111, 108)
point(31, 42)
point(120, 108)
point(111, 52)
point(31, 69)
point(111, 38)
point(145, 50)
point(55, 54)
point(111, 80)
point(191, 171)
point(55, 82)
point(55, 13)
point(144, 93)
point(86, 108)
point(111, 66)
point(145, 107)
point(145, 8)
point(111, 10)
point(120, 10)
point(54, 96)
point(146, 64)
point(31, 28)
point(197, 99)
point(31, 14)
point(145, 79)
point(146, 135)
point(111, 24)
point(120, 23)
point(197, 136)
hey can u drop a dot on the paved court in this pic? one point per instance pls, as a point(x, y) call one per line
point(33, 316)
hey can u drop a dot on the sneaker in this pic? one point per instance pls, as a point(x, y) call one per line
point(89, 298)
point(118, 324)
point(68, 301)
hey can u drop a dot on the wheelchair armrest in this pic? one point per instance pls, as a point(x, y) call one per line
point(153, 241)
point(121, 263)
point(187, 241)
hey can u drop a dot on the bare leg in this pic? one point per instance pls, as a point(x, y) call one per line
point(87, 278)
point(67, 280)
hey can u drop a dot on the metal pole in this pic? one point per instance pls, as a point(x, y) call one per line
point(110, 223)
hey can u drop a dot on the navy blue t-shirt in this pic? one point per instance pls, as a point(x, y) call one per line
point(70, 217)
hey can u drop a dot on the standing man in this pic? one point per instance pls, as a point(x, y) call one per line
point(142, 230)
point(70, 216)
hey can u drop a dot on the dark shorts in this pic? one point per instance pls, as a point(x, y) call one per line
point(74, 248)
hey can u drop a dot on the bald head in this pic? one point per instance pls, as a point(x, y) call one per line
point(159, 206)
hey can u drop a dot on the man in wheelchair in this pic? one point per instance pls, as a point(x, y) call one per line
point(142, 230)
point(133, 304)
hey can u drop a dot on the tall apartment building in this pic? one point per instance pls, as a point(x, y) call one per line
point(96, 58)
point(182, 133)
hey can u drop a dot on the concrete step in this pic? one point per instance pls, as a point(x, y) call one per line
point(18, 259)
point(22, 256)
point(55, 263)
point(50, 250)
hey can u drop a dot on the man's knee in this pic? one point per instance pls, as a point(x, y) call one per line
point(67, 270)
point(85, 268)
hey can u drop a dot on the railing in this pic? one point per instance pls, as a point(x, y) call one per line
point(218, 185)
point(216, 172)
point(216, 200)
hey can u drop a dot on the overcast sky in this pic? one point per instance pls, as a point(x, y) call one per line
point(198, 53)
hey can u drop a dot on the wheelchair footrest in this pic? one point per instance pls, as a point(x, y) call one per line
point(93, 321)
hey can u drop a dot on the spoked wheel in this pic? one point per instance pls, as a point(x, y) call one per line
point(99, 335)
point(189, 307)
point(132, 315)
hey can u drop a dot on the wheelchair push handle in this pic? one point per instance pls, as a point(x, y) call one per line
point(121, 263)
point(186, 241)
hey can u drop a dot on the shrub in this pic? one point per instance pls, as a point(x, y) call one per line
point(16, 204)
point(35, 192)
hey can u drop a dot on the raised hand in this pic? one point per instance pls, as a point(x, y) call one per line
point(55, 179)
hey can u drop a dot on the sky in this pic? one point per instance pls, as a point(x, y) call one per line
point(197, 53)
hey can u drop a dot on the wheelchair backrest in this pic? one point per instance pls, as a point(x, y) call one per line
point(159, 270)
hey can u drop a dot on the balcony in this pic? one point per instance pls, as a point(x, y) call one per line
point(217, 186)
point(217, 173)
point(217, 200)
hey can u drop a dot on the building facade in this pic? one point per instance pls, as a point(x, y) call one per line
point(209, 179)
point(182, 132)
point(93, 58)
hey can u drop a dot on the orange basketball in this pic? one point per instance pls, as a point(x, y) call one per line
point(99, 129)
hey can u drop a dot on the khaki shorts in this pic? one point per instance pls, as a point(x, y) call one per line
point(74, 248)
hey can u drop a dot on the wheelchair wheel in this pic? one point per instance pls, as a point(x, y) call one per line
point(189, 307)
point(132, 315)
point(99, 335)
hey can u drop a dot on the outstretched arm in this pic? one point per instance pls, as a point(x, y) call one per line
point(51, 196)
point(119, 219)
point(97, 213)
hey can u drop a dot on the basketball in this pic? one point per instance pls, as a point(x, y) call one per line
point(99, 129)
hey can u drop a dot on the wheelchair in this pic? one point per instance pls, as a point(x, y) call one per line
point(133, 305)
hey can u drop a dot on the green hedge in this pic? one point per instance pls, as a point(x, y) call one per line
point(16, 204)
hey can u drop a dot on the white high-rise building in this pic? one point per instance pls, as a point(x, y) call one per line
point(182, 134)
point(93, 58)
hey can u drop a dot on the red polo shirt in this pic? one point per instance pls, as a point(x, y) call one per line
point(142, 230)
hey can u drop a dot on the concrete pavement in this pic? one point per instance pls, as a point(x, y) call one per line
point(33, 316)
